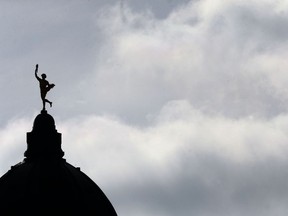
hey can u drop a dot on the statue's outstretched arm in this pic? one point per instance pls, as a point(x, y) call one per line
point(36, 70)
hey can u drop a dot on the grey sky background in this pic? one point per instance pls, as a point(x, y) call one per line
point(171, 107)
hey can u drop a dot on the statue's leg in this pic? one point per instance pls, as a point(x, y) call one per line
point(49, 102)
point(43, 101)
point(43, 95)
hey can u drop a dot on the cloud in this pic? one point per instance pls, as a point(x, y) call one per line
point(224, 57)
point(216, 57)
point(13, 142)
point(183, 115)
point(185, 163)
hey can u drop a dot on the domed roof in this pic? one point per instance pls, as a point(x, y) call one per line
point(44, 140)
point(45, 184)
point(44, 122)
point(49, 188)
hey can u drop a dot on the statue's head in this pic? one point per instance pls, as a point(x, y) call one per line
point(43, 76)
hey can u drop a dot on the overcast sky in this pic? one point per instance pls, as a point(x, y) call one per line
point(173, 107)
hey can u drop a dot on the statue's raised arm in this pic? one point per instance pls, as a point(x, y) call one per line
point(44, 87)
point(36, 71)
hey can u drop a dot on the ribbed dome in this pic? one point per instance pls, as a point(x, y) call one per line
point(45, 184)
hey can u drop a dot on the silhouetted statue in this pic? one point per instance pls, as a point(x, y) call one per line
point(45, 86)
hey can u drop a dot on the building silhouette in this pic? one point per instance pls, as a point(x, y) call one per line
point(45, 184)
